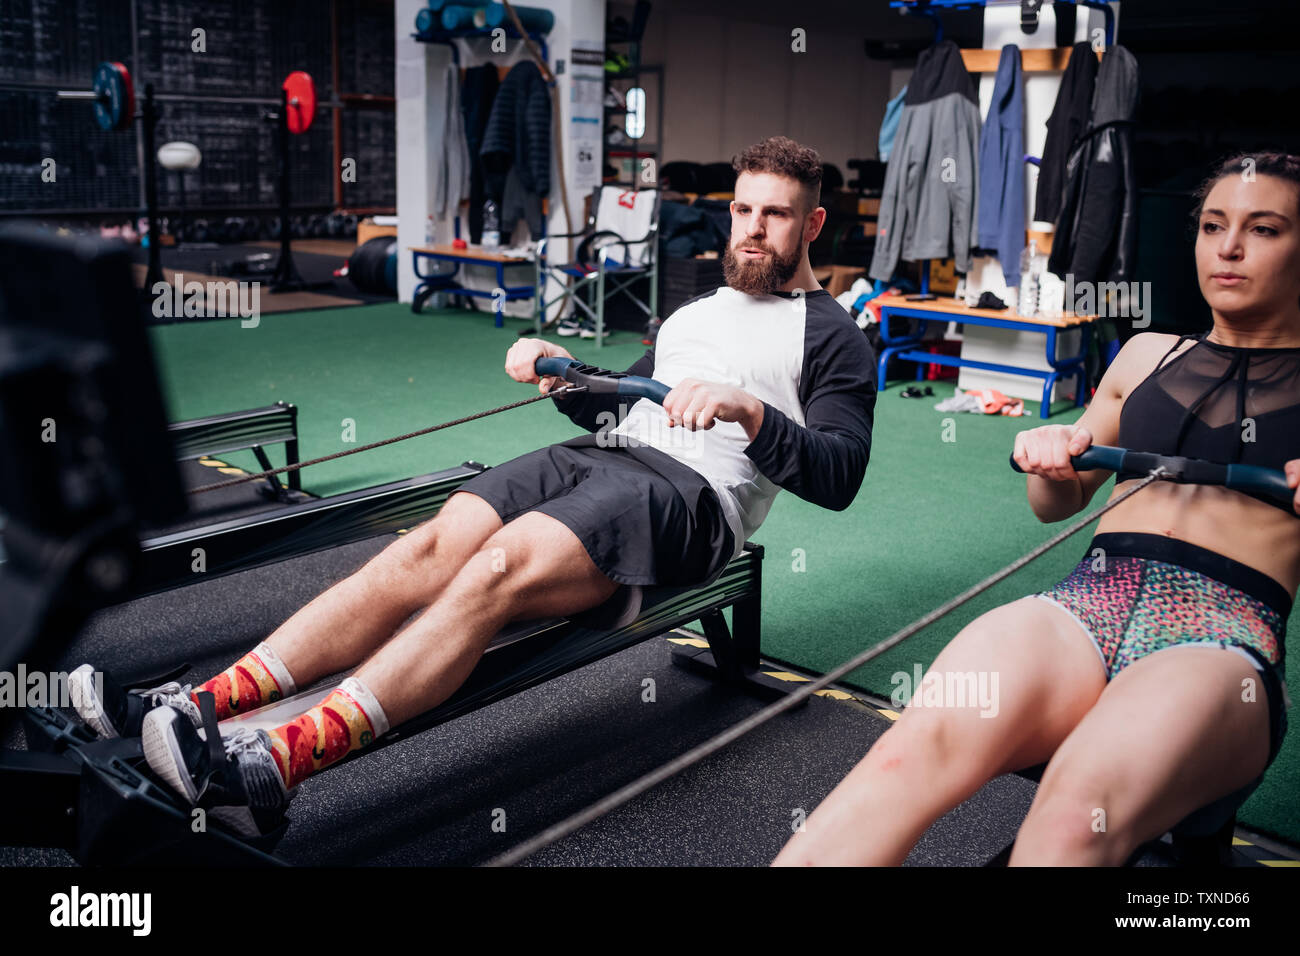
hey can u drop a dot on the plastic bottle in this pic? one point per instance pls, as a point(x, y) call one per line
point(491, 226)
point(1030, 269)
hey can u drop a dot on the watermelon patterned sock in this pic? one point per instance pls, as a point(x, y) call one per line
point(256, 679)
point(348, 719)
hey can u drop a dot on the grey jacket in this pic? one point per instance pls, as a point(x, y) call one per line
point(927, 208)
point(449, 164)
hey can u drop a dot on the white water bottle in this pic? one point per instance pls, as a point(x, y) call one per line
point(491, 226)
point(1030, 269)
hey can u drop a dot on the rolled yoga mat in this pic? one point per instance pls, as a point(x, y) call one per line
point(534, 19)
point(459, 18)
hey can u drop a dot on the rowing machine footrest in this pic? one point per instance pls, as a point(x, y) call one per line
point(125, 818)
point(48, 730)
point(699, 660)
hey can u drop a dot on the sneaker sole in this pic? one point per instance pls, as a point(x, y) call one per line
point(163, 754)
point(86, 702)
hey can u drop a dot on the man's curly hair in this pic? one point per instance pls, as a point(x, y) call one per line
point(782, 156)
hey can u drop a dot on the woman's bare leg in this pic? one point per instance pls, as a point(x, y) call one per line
point(1048, 674)
point(1170, 734)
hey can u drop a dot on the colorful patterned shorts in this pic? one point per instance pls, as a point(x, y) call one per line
point(1135, 594)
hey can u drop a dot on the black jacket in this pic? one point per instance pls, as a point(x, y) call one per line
point(518, 132)
point(1096, 234)
point(1069, 118)
point(477, 94)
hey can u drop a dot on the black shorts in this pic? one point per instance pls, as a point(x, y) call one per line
point(645, 519)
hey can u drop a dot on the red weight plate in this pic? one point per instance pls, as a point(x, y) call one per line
point(115, 103)
point(302, 101)
point(130, 93)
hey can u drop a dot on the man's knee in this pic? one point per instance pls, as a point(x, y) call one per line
point(461, 526)
point(501, 563)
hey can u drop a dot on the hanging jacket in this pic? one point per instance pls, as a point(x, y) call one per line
point(889, 126)
point(518, 138)
point(1096, 233)
point(1069, 118)
point(927, 207)
point(449, 159)
point(478, 92)
point(1002, 168)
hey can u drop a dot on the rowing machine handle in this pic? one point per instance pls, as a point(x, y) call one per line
point(1252, 478)
point(1095, 456)
point(601, 381)
point(1264, 481)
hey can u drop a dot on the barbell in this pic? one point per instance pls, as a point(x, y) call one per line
point(113, 95)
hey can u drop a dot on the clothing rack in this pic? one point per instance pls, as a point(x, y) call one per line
point(931, 10)
point(448, 37)
point(985, 61)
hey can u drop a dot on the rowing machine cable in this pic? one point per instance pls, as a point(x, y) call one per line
point(387, 441)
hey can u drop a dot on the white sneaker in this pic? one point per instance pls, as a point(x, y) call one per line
point(110, 711)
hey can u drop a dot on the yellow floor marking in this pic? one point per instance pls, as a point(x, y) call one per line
point(835, 694)
point(1279, 862)
point(1238, 841)
point(212, 462)
point(786, 675)
point(232, 471)
point(689, 641)
point(892, 715)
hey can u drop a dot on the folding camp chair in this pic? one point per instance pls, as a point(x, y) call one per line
point(607, 256)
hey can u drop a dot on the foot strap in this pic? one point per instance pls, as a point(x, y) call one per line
point(216, 774)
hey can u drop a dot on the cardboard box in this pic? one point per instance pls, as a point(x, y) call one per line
point(366, 229)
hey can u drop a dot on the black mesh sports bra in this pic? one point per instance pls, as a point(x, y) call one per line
point(1219, 403)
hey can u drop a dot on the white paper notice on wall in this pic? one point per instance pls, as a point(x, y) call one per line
point(587, 99)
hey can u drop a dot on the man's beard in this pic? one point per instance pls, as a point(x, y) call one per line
point(759, 276)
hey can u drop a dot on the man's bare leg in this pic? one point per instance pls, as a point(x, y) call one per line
point(339, 628)
point(534, 567)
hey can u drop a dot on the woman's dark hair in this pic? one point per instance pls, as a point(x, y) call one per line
point(1283, 165)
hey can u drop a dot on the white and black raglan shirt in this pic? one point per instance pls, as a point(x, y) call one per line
point(802, 356)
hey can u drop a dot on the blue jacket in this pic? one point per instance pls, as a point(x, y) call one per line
point(1002, 168)
point(893, 111)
